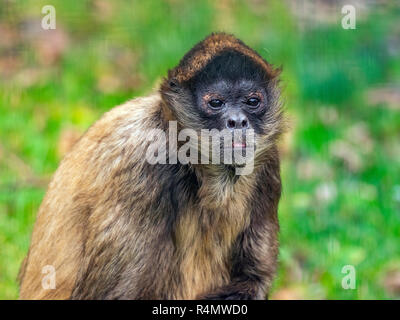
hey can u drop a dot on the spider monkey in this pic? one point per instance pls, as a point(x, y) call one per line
point(116, 227)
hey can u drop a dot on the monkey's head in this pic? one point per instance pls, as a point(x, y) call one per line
point(223, 84)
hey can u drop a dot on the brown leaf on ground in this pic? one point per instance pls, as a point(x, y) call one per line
point(120, 71)
point(49, 45)
point(346, 152)
point(359, 135)
point(291, 293)
point(328, 115)
point(30, 76)
point(9, 64)
point(226, 19)
point(390, 96)
point(103, 9)
point(392, 282)
point(312, 169)
point(9, 37)
point(108, 83)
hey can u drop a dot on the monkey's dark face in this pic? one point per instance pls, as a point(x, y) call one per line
point(233, 92)
point(234, 105)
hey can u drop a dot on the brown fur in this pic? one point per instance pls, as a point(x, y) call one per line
point(115, 227)
point(214, 44)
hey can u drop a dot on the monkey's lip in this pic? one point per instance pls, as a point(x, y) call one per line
point(240, 145)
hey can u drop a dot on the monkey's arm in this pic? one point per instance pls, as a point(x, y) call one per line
point(253, 265)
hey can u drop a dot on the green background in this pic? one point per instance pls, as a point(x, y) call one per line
point(341, 88)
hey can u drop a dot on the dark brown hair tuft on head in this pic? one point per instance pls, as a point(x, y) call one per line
point(198, 57)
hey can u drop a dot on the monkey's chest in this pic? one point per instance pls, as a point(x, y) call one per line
point(204, 249)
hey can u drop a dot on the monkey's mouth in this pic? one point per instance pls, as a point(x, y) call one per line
point(237, 153)
point(238, 145)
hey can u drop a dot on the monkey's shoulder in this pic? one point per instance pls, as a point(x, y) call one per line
point(122, 127)
point(113, 143)
point(129, 118)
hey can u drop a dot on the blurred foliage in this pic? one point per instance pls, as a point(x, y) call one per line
point(341, 168)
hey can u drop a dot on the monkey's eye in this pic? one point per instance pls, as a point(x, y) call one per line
point(215, 103)
point(253, 102)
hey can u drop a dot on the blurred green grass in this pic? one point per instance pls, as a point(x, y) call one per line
point(341, 168)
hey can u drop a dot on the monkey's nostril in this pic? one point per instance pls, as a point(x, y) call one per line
point(244, 124)
point(231, 123)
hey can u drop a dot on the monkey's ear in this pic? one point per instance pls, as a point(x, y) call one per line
point(173, 83)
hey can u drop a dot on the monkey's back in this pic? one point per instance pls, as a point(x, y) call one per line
point(79, 205)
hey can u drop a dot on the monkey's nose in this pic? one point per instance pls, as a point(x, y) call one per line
point(239, 121)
